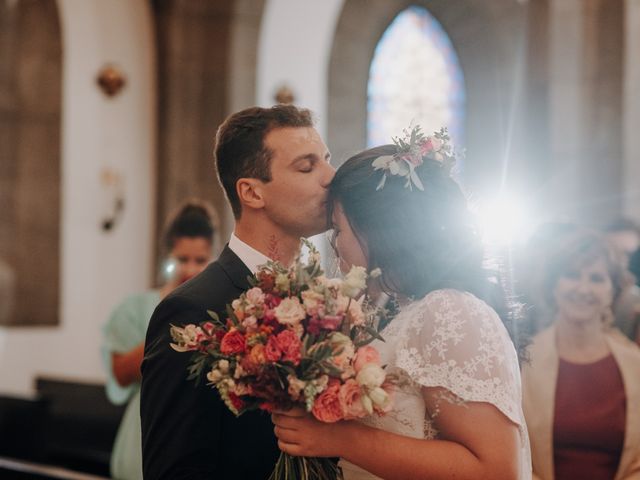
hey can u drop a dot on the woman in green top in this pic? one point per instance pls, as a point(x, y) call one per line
point(189, 241)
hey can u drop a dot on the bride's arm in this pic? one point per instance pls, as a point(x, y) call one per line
point(477, 441)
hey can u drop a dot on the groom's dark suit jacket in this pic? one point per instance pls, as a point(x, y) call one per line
point(187, 431)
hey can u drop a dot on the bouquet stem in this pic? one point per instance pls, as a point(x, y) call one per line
point(289, 467)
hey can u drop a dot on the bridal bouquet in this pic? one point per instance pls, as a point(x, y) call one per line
point(297, 338)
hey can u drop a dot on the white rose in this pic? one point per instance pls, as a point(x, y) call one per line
point(341, 304)
point(367, 404)
point(354, 282)
point(355, 313)
point(312, 300)
point(290, 312)
point(370, 376)
point(379, 397)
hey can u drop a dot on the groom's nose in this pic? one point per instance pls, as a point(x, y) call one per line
point(327, 174)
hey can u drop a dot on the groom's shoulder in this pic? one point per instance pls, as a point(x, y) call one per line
point(218, 283)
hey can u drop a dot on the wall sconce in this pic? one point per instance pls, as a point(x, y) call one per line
point(111, 80)
point(113, 186)
point(284, 95)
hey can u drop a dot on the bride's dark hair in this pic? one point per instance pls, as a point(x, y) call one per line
point(421, 240)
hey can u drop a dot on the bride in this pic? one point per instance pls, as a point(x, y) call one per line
point(457, 409)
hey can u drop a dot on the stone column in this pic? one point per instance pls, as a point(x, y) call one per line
point(631, 113)
point(585, 94)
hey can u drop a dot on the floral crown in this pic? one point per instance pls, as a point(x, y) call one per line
point(413, 149)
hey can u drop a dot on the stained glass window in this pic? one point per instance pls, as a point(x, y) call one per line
point(415, 76)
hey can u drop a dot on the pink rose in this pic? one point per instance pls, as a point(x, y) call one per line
point(290, 346)
point(233, 342)
point(255, 296)
point(364, 355)
point(351, 400)
point(326, 407)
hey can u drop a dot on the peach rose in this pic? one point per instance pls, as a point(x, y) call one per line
point(255, 359)
point(327, 407)
point(351, 400)
point(364, 355)
point(233, 342)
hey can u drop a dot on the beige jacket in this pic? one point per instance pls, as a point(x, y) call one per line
point(539, 379)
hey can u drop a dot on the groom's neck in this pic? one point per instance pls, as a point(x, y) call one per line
point(268, 239)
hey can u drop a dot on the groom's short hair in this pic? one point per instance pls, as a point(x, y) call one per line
point(240, 151)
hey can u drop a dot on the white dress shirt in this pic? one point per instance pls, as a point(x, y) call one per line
point(249, 255)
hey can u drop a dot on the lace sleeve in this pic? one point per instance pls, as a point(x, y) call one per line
point(453, 340)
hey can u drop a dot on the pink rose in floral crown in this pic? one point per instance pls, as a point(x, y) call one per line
point(327, 407)
point(426, 147)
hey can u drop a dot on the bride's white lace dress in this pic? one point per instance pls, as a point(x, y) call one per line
point(448, 339)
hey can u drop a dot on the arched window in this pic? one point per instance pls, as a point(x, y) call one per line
point(415, 76)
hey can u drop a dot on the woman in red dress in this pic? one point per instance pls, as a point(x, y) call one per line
point(581, 389)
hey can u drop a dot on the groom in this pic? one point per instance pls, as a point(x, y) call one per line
point(275, 170)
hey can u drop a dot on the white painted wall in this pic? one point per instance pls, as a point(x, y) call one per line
point(294, 50)
point(98, 269)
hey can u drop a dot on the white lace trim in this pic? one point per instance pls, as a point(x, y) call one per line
point(452, 340)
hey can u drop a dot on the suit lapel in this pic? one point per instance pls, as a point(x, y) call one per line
point(235, 268)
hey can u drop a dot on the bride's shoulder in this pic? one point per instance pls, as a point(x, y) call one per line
point(449, 305)
point(450, 299)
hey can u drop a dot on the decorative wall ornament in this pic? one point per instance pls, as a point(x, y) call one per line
point(112, 183)
point(111, 80)
point(284, 95)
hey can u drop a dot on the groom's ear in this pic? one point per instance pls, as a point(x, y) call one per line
point(250, 192)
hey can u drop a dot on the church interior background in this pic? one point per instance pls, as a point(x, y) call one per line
point(108, 111)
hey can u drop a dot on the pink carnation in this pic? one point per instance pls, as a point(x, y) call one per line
point(290, 346)
point(327, 407)
point(272, 350)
